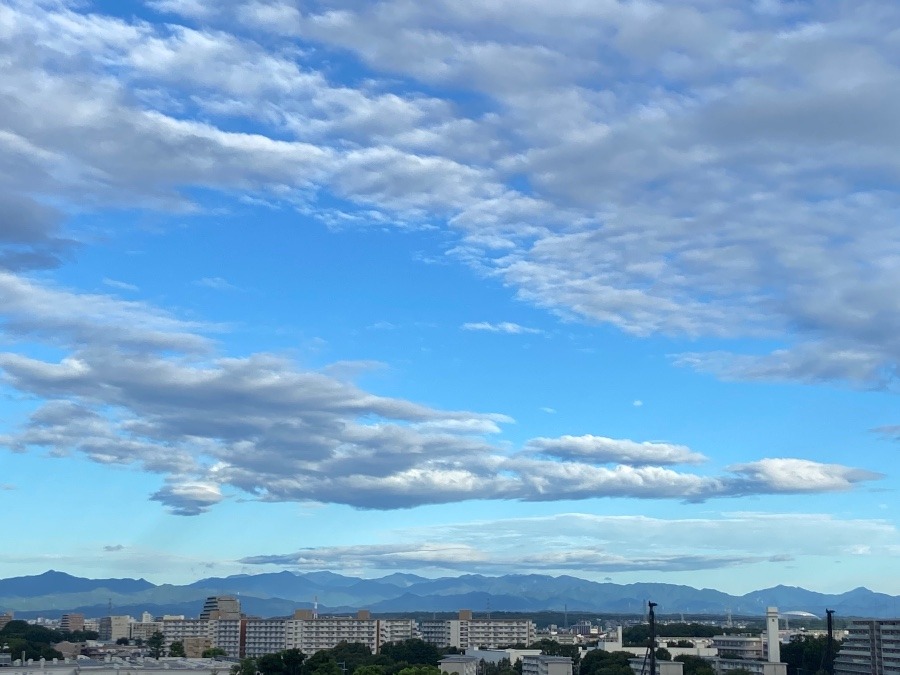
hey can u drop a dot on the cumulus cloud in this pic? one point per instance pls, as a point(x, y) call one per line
point(261, 425)
point(726, 205)
point(739, 152)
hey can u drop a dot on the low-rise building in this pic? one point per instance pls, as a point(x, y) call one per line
point(546, 665)
point(457, 664)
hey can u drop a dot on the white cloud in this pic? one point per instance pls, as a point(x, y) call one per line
point(502, 327)
point(601, 450)
point(261, 425)
point(121, 285)
point(596, 544)
point(739, 151)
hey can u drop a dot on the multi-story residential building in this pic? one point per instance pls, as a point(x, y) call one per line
point(71, 622)
point(228, 634)
point(309, 632)
point(739, 646)
point(266, 636)
point(546, 665)
point(114, 628)
point(870, 648)
point(142, 630)
point(182, 630)
point(5, 619)
point(466, 631)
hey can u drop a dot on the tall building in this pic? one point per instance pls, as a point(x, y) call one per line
point(113, 628)
point(870, 648)
point(71, 622)
point(466, 631)
point(5, 619)
point(221, 607)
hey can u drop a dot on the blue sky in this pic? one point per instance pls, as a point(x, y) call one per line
point(604, 289)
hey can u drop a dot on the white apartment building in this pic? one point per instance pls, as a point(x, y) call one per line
point(870, 648)
point(227, 634)
point(741, 646)
point(266, 636)
point(309, 632)
point(546, 665)
point(466, 632)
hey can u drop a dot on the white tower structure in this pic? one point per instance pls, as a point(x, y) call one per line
point(774, 643)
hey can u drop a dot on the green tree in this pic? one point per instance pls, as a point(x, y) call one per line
point(413, 651)
point(177, 649)
point(599, 662)
point(270, 664)
point(352, 655)
point(246, 666)
point(156, 644)
point(808, 653)
point(663, 654)
point(122, 641)
point(420, 670)
point(370, 669)
point(293, 661)
point(213, 652)
point(694, 665)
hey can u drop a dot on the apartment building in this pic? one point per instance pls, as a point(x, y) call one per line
point(309, 632)
point(465, 632)
point(112, 628)
point(266, 636)
point(71, 622)
point(870, 648)
point(546, 665)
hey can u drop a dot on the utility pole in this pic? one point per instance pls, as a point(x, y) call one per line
point(829, 646)
point(651, 615)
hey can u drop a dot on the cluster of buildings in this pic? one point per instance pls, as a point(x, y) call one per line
point(222, 625)
point(869, 647)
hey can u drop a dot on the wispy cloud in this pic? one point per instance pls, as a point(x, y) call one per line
point(596, 544)
point(121, 285)
point(503, 327)
point(215, 283)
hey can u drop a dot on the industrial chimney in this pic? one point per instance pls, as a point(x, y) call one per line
point(774, 643)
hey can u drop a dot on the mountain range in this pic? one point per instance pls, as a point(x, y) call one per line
point(274, 594)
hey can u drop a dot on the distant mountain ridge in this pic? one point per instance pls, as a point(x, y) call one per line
point(275, 594)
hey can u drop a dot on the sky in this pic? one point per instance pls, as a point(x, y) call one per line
point(602, 288)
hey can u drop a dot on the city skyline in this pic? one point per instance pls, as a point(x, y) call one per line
point(604, 289)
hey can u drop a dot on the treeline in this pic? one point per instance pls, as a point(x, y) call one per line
point(639, 636)
point(36, 642)
point(410, 657)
